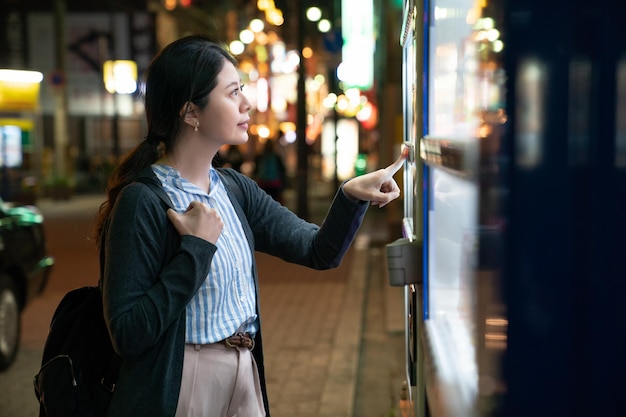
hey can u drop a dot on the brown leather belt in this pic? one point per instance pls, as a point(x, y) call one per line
point(240, 340)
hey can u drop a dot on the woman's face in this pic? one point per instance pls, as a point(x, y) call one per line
point(225, 118)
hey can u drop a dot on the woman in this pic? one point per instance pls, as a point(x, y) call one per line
point(179, 285)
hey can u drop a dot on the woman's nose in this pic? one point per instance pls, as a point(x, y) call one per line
point(246, 103)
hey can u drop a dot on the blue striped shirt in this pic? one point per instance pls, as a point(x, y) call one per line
point(226, 301)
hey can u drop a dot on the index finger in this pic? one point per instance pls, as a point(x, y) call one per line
point(395, 167)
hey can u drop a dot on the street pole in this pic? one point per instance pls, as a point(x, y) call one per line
point(60, 95)
point(6, 184)
point(115, 125)
point(332, 81)
point(335, 58)
point(302, 206)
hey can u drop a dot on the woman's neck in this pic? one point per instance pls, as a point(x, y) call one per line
point(194, 168)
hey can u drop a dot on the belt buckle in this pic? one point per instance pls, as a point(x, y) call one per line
point(240, 339)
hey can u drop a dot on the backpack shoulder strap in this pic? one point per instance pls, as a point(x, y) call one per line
point(232, 186)
point(236, 196)
point(157, 189)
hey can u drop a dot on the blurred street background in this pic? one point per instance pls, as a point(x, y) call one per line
point(71, 106)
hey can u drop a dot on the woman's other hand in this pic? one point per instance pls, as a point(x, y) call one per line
point(378, 187)
point(199, 220)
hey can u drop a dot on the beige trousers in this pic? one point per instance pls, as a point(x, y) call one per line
point(219, 381)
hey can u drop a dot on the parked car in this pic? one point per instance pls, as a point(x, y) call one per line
point(24, 271)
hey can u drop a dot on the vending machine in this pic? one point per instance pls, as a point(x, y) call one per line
point(515, 190)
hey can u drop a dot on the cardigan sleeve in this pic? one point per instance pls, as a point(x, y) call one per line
point(280, 232)
point(145, 286)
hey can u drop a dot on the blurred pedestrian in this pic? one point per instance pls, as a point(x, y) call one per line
point(185, 317)
point(270, 172)
point(234, 158)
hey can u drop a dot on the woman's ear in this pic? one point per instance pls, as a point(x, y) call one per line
point(189, 114)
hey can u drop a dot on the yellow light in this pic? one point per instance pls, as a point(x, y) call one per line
point(24, 124)
point(275, 17)
point(263, 68)
point(257, 25)
point(354, 95)
point(246, 36)
point(495, 336)
point(19, 76)
point(324, 25)
point(263, 131)
point(330, 101)
point(313, 14)
point(262, 38)
point(496, 322)
point(364, 113)
point(19, 90)
point(246, 67)
point(120, 76)
point(493, 35)
point(278, 104)
point(237, 47)
point(170, 4)
point(342, 103)
point(313, 85)
point(307, 52)
point(287, 126)
point(262, 55)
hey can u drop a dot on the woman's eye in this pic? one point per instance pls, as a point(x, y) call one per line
point(236, 91)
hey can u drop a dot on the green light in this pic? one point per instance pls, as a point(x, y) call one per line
point(360, 165)
point(25, 215)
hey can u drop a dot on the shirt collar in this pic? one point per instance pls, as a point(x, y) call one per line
point(171, 176)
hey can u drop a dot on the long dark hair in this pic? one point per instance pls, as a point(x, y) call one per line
point(183, 72)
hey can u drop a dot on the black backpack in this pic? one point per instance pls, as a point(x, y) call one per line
point(79, 366)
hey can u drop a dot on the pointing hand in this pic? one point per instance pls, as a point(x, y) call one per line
point(377, 187)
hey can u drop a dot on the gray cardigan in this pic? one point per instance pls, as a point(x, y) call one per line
point(149, 274)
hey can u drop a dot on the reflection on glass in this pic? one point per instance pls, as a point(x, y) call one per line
point(467, 323)
point(529, 112)
point(454, 99)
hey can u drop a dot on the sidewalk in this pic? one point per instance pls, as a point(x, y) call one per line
point(350, 325)
point(333, 339)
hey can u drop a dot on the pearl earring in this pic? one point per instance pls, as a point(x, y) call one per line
point(196, 128)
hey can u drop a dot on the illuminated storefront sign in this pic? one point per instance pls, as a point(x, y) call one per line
point(19, 90)
point(120, 76)
point(10, 146)
point(357, 27)
point(346, 146)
